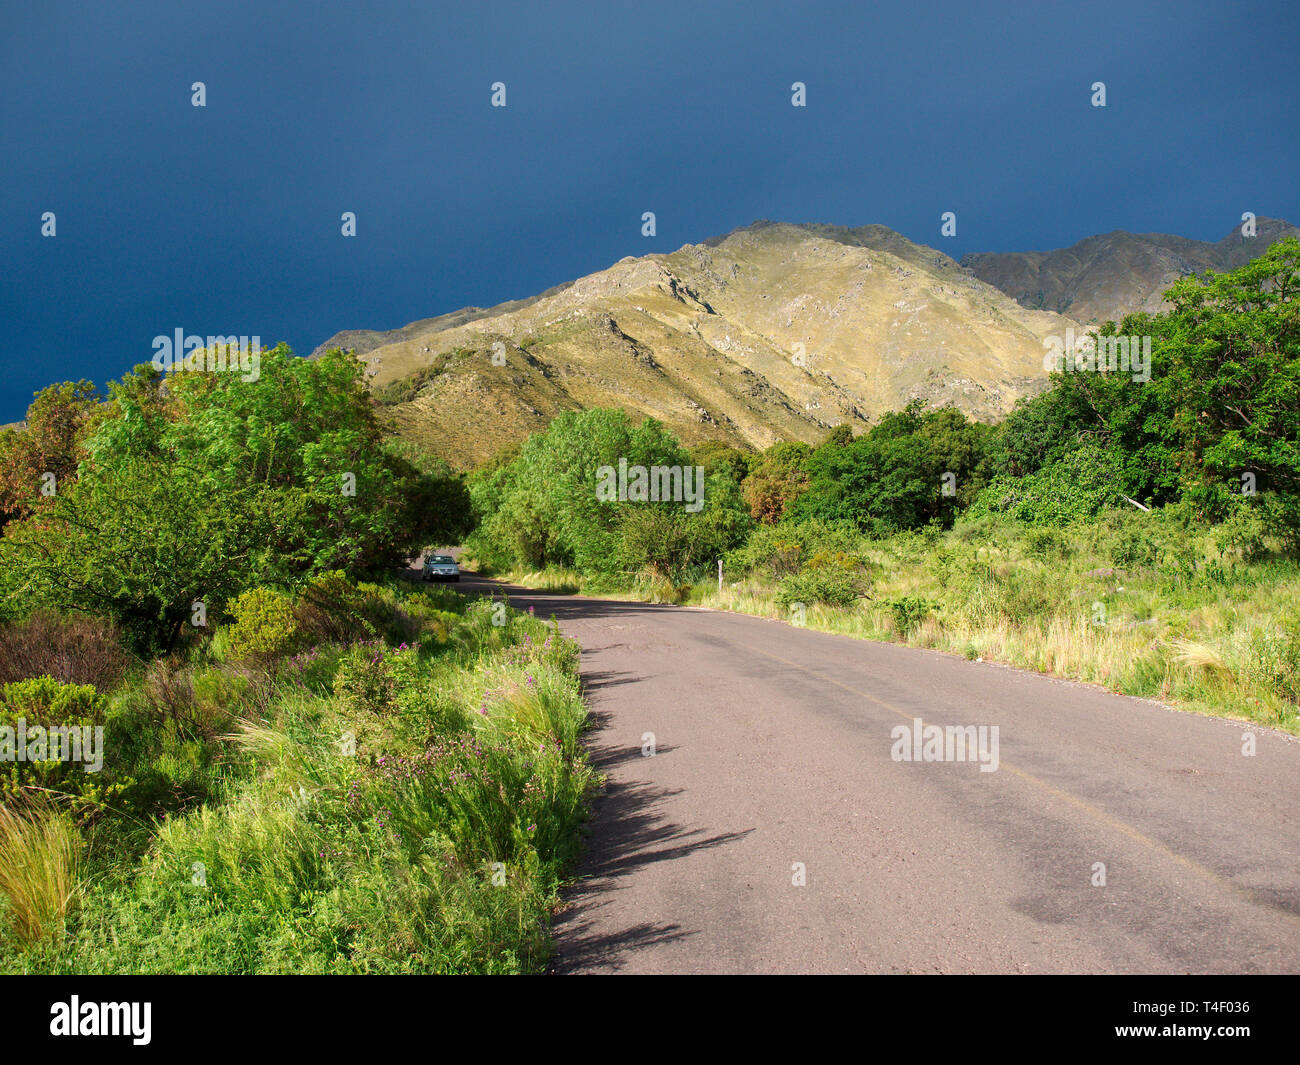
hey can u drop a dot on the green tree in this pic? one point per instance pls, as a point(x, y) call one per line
point(1220, 401)
point(201, 485)
point(138, 541)
point(893, 476)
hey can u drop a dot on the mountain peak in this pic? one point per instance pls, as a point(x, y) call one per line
point(1107, 276)
point(773, 331)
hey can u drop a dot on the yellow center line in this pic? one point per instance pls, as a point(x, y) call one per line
point(1065, 796)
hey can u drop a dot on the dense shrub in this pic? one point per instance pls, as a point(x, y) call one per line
point(365, 683)
point(1082, 485)
point(209, 485)
point(907, 612)
point(835, 578)
point(778, 550)
point(914, 467)
point(541, 508)
point(73, 764)
point(432, 840)
point(264, 625)
point(330, 608)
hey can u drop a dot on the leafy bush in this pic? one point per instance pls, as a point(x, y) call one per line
point(541, 507)
point(75, 763)
point(365, 683)
point(908, 612)
point(264, 625)
point(1080, 486)
point(1046, 544)
point(893, 476)
point(1244, 531)
point(330, 608)
point(213, 485)
point(779, 550)
point(436, 844)
point(1133, 549)
point(837, 579)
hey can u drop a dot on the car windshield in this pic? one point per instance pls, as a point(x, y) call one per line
point(442, 560)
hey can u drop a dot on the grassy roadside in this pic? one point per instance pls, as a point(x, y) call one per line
point(1207, 620)
point(390, 781)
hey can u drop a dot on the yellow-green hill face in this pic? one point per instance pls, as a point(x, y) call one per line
point(774, 332)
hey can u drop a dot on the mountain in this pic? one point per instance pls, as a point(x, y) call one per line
point(772, 332)
point(1108, 276)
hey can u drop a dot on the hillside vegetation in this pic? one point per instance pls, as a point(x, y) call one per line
point(231, 739)
point(773, 333)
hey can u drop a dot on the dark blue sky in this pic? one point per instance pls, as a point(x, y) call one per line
point(226, 219)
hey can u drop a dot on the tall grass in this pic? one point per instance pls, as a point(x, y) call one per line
point(40, 855)
point(427, 831)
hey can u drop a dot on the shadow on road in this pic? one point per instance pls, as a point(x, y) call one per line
point(627, 833)
point(585, 950)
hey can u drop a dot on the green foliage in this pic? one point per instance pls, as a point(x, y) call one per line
point(721, 458)
point(1083, 484)
point(836, 579)
point(1273, 660)
point(71, 765)
point(330, 607)
point(541, 508)
point(218, 484)
point(893, 476)
point(1220, 402)
point(908, 611)
point(665, 541)
point(49, 442)
point(45, 701)
point(777, 480)
point(365, 682)
point(264, 625)
point(315, 858)
point(138, 541)
point(779, 550)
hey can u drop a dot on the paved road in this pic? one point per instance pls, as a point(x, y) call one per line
point(773, 747)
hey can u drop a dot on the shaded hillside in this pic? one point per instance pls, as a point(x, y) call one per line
point(1107, 276)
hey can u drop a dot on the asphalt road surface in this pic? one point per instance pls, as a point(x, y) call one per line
point(773, 763)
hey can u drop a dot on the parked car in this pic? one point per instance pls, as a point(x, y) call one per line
point(441, 568)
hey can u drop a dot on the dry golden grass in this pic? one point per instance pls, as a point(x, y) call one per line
point(40, 853)
point(1197, 656)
